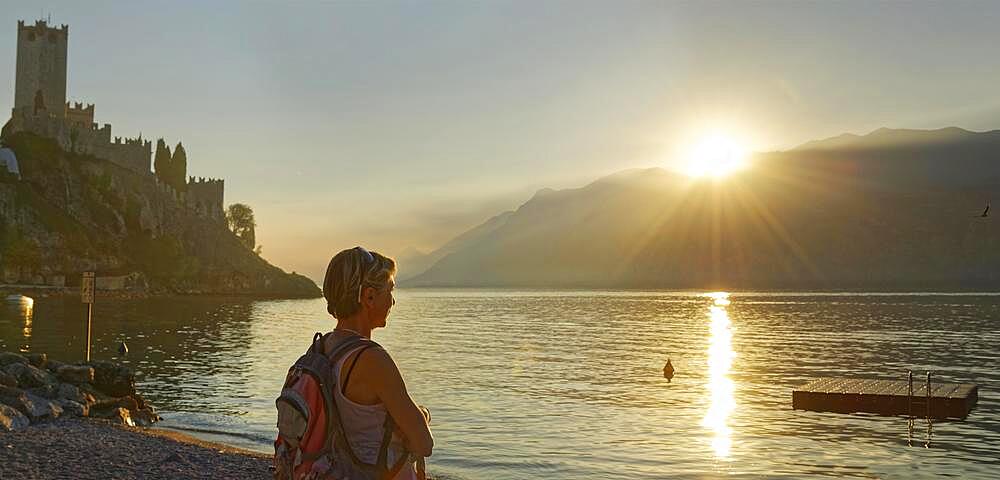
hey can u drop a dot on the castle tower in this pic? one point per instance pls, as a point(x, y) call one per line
point(40, 81)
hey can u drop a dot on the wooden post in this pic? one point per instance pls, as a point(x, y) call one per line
point(87, 288)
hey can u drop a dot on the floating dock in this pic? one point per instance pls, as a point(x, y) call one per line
point(887, 397)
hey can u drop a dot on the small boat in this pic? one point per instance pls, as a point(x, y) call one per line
point(18, 299)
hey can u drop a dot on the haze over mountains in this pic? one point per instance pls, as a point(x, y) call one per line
point(894, 209)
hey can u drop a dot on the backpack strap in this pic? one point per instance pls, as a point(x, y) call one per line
point(382, 470)
point(383, 451)
point(347, 378)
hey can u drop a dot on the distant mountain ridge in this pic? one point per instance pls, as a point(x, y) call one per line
point(894, 209)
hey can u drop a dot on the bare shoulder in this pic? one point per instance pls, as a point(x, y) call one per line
point(379, 359)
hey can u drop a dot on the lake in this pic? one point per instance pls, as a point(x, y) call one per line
point(569, 384)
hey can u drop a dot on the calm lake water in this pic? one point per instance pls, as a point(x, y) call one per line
point(568, 385)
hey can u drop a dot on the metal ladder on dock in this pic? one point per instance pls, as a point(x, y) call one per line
point(911, 417)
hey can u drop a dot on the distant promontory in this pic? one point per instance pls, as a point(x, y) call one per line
point(74, 199)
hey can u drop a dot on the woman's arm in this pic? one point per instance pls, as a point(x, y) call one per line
point(391, 391)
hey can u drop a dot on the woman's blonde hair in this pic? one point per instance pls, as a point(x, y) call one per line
point(348, 272)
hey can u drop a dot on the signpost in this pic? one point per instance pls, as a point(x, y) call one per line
point(87, 296)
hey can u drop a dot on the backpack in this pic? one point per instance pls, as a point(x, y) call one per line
point(312, 442)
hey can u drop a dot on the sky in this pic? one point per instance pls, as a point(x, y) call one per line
point(401, 124)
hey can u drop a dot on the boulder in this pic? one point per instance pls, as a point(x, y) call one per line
point(75, 409)
point(42, 408)
point(129, 404)
point(46, 391)
point(7, 379)
point(76, 374)
point(17, 398)
point(29, 375)
point(68, 391)
point(37, 359)
point(113, 379)
point(54, 365)
point(118, 415)
point(12, 419)
point(7, 358)
point(145, 417)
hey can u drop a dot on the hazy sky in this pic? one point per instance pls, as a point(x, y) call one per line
point(395, 124)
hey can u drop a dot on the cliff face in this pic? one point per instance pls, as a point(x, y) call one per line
point(71, 213)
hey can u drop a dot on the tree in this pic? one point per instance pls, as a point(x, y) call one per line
point(178, 168)
point(239, 218)
point(161, 162)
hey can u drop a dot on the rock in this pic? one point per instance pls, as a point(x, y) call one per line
point(29, 375)
point(37, 359)
point(45, 391)
point(75, 409)
point(17, 398)
point(69, 391)
point(42, 408)
point(76, 374)
point(7, 358)
point(128, 403)
point(113, 379)
point(12, 419)
point(54, 365)
point(7, 379)
point(146, 417)
point(88, 400)
point(118, 415)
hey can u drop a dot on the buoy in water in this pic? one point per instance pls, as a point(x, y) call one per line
point(122, 348)
point(668, 371)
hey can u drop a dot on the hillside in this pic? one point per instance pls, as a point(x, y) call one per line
point(72, 213)
point(895, 209)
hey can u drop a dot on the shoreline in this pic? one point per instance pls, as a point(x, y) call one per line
point(45, 291)
point(92, 448)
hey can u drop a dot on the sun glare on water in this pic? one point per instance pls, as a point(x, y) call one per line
point(716, 155)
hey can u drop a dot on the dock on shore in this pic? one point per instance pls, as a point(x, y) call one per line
point(887, 397)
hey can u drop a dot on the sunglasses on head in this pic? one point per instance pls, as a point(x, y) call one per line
point(367, 260)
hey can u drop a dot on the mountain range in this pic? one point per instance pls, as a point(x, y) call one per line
point(891, 210)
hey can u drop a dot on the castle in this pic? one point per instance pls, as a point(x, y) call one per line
point(40, 107)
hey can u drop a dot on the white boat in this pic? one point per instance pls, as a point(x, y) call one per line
point(18, 299)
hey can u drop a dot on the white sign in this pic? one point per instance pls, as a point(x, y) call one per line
point(87, 288)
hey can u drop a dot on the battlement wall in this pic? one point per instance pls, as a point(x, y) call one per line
point(206, 196)
point(132, 153)
point(78, 113)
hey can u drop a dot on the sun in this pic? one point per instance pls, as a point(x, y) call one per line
point(715, 155)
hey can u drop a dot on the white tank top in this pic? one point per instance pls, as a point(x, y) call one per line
point(364, 427)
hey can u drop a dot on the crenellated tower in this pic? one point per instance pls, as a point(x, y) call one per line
point(40, 82)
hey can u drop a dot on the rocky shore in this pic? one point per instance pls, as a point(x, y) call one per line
point(35, 389)
point(85, 448)
point(86, 420)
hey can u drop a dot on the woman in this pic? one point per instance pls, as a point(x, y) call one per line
point(358, 290)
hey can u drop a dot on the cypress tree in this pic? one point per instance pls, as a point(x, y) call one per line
point(161, 162)
point(178, 168)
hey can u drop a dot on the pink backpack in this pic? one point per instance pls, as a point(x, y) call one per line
point(312, 442)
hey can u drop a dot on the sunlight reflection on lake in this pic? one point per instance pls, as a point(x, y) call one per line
point(721, 388)
point(568, 384)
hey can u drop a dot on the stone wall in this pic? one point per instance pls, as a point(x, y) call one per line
point(41, 67)
point(132, 153)
point(79, 114)
point(205, 197)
